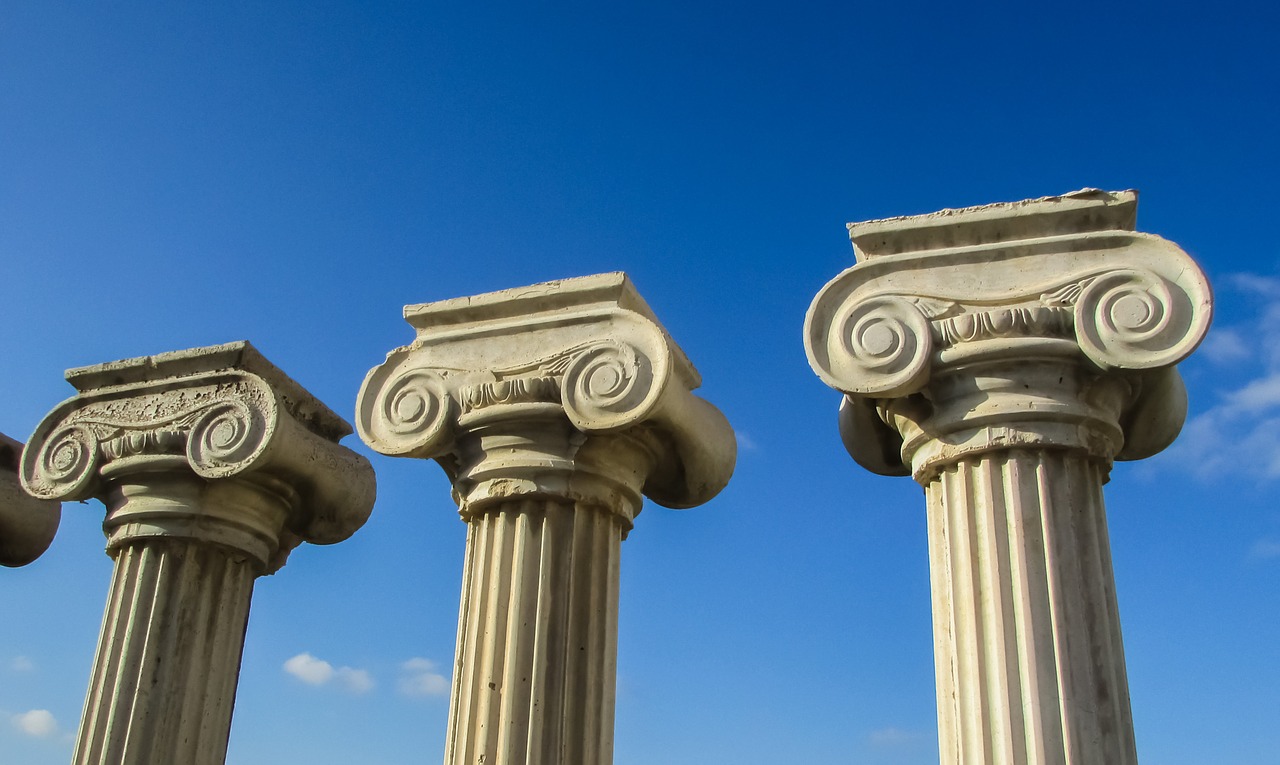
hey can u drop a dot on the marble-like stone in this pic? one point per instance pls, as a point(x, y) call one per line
point(27, 525)
point(553, 409)
point(1004, 355)
point(213, 465)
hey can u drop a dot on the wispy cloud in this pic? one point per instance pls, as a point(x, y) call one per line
point(357, 681)
point(746, 443)
point(420, 678)
point(1245, 420)
point(38, 723)
point(1265, 286)
point(22, 664)
point(1265, 549)
point(1225, 346)
point(314, 671)
point(891, 737)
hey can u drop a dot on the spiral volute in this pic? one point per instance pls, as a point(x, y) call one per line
point(879, 346)
point(1136, 319)
point(608, 386)
point(413, 412)
point(65, 465)
point(224, 438)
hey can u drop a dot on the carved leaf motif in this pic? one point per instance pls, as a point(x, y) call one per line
point(1020, 321)
point(935, 308)
point(1066, 295)
point(548, 366)
point(516, 390)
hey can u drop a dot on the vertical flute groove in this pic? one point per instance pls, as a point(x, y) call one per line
point(1028, 648)
point(165, 676)
point(542, 586)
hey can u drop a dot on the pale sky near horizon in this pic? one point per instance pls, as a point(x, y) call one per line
point(293, 174)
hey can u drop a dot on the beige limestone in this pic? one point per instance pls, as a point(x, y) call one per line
point(213, 465)
point(1004, 355)
point(553, 409)
point(27, 525)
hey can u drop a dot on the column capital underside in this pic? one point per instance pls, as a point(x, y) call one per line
point(197, 432)
point(27, 524)
point(1048, 322)
point(529, 391)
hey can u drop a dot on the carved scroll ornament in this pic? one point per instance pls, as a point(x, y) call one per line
point(217, 423)
point(1127, 300)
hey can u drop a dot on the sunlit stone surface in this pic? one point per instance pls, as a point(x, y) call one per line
point(27, 524)
point(1003, 356)
point(213, 465)
point(553, 409)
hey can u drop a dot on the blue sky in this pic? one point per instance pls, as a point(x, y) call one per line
point(294, 173)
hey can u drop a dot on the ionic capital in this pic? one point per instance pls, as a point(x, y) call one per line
point(1049, 321)
point(212, 443)
point(569, 389)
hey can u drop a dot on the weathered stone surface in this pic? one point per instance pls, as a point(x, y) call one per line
point(27, 525)
point(213, 465)
point(1004, 355)
point(553, 409)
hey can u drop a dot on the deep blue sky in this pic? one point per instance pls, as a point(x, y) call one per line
point(294, 173)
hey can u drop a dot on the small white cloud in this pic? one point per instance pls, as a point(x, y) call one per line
point(745, 442)
point(38, 723)
point(22, 664)
point(309, 669)
point(891, 737)
point(1265, 548)
point(420, 678)
point(313, 671)
point(355, 680)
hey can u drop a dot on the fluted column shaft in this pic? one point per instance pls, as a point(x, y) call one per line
point(537, 649)
point(164, 678)
point(168, 660)
point(1029, 659)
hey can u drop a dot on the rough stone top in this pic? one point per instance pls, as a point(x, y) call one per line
point(240, 355)
point(547, 300)
point(611, 289)
point(1079, 212)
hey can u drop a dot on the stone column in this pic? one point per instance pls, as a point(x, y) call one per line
point(27, 524)
point(552, 409)
point(213, 465)
point(1004, 356)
